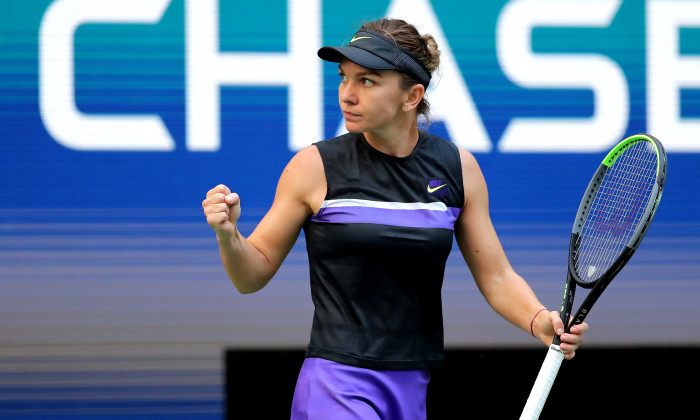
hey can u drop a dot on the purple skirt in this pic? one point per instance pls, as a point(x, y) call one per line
point(330, 390)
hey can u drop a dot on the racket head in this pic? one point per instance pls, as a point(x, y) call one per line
point(617, 209)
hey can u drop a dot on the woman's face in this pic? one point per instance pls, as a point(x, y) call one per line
point(370, 99)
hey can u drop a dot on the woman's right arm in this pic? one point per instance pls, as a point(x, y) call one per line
point(251, 262)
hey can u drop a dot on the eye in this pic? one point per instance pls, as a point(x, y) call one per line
point(367, 83)
point(343, 78)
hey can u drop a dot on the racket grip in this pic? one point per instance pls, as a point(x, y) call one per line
point(543, 383)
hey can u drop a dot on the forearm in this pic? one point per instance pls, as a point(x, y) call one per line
point(247, 268)
point(512, 298)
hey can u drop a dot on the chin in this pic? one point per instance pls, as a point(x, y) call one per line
point(353, 128)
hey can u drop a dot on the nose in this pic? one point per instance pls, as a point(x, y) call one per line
point(347, 93)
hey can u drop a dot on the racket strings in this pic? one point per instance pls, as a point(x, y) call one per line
point(617, 210)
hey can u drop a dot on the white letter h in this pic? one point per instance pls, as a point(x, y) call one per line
point(207, 69)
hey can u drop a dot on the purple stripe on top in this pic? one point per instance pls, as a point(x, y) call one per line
point(408, 217)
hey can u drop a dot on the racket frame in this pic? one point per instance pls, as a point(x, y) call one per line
point(597, 287)
point(555, 355)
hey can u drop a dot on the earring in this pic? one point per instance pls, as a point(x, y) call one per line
point(405, 108)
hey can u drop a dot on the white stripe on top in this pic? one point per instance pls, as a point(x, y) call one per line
point(352, 202)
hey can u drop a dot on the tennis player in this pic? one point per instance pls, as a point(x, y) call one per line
point(379, 207)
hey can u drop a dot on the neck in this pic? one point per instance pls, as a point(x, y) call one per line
point(398, 142)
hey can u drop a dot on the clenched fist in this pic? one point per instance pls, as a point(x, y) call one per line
point(222, 209)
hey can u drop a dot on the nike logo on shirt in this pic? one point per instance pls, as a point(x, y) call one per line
point(432, 190)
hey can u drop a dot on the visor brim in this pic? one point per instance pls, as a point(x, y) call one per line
point(356, 55)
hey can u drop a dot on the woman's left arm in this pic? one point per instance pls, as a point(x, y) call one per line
point(505, 291)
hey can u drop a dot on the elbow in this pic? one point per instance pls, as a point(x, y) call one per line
point(248, 277)
point(246, 288)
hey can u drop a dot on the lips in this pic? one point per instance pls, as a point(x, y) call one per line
point(351, 115)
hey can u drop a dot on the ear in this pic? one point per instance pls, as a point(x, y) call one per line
point(413, 97)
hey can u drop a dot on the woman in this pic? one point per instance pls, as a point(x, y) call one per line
point(379, 207)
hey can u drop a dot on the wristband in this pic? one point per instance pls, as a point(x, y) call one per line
point(533, 321)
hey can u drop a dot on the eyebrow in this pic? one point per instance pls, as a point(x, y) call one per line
point(362, 73)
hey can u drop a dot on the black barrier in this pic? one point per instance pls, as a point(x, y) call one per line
point(600, 383)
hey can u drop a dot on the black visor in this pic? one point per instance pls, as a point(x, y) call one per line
point(374, 51)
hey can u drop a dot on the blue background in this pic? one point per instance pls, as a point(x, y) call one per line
point(112, 299)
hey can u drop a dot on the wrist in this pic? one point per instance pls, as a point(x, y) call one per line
point(532, 323)
point(223, 238)
point(227, 238)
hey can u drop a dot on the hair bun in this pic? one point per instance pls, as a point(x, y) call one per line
point(433, 57)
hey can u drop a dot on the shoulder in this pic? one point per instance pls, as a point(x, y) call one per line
point(304, 163)
point(336, 145)
point(304, 179)
point(475, 189)
point(468, 161)
point(313, 156)
point(437, 141)
point(442, 148)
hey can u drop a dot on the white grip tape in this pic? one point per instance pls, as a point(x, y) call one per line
point(543, 383)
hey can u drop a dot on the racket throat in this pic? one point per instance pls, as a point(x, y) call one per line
point(567, 303)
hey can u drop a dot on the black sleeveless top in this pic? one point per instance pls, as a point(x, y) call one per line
point(377, 251)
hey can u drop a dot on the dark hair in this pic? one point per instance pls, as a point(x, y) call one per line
point(421, 47)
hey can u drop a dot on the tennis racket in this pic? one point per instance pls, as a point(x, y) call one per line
point(613, 217)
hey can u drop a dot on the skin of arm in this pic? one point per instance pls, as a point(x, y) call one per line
point(251, 262)
point(504, 290)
